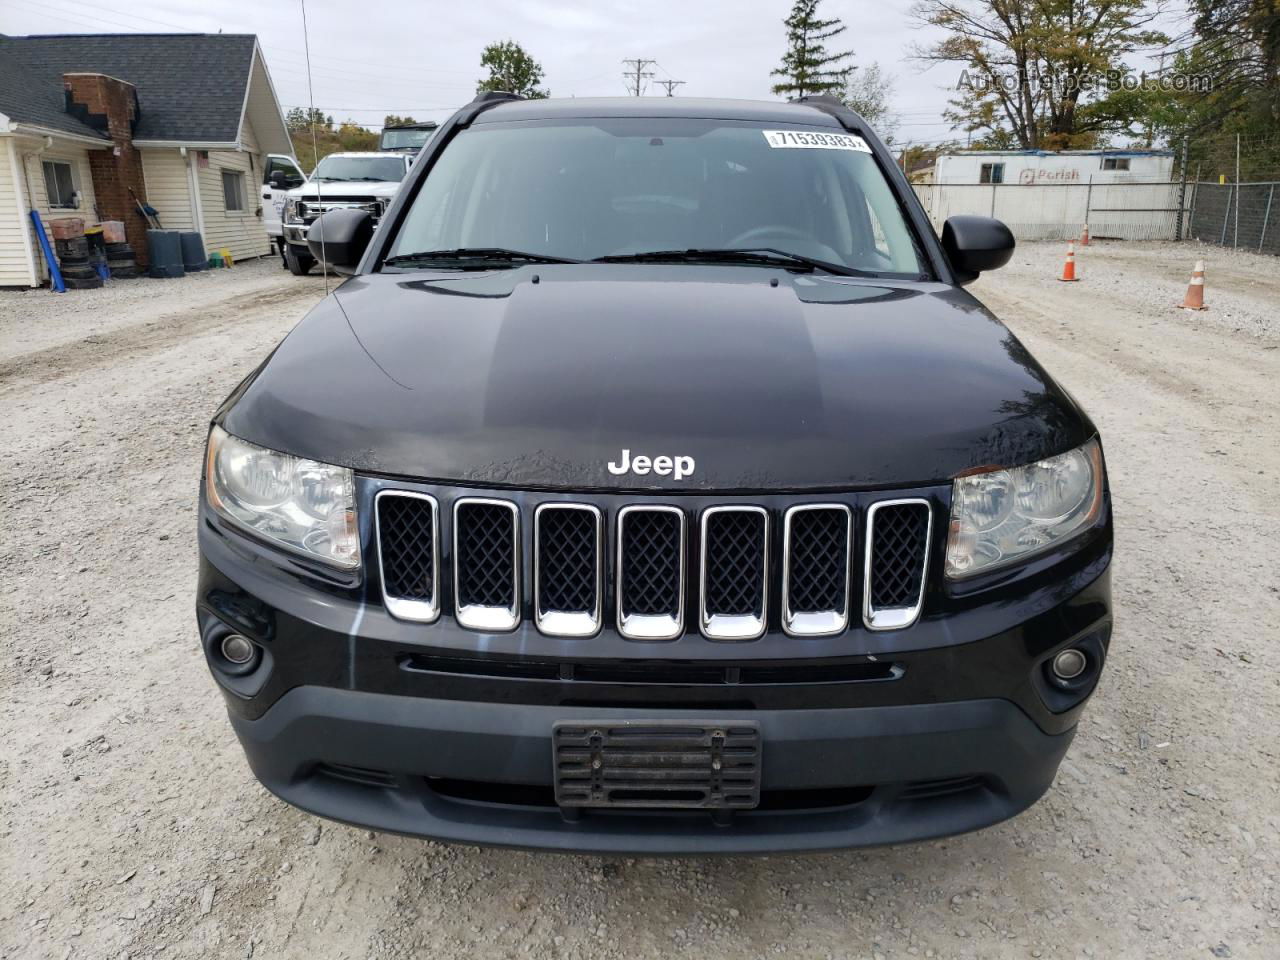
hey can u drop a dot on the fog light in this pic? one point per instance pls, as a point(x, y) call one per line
point(239, 650)
point(1069, 664)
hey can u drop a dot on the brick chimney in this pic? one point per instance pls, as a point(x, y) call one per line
point(111, 105)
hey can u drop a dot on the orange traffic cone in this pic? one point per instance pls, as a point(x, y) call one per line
point(1084, 236)
point(1069, 268)
point(1195, 289)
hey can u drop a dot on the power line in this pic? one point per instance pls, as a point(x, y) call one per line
point(670, 86)
point(637, 73)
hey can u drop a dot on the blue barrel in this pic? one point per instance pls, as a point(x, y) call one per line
point(193, 257)
point(164, 253)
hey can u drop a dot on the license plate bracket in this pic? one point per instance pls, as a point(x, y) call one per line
point(657, 764)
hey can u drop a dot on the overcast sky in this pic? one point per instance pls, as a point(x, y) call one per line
point(374, 57)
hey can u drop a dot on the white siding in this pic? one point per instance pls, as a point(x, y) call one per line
point(241, 232)
point(1054, 168)
point(31, 158)
point(14, 269)
point(168, 187)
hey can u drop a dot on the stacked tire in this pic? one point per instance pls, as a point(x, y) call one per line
point(73, 262)
point(121, 261)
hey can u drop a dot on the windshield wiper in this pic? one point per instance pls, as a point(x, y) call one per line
point(755, 256)
point(474, 257)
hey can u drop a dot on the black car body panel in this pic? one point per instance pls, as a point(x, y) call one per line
point(817, 383)
point(520, 384)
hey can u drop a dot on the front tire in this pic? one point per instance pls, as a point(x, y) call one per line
point(299, 264)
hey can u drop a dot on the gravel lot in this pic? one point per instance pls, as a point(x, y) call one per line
point(131, 826)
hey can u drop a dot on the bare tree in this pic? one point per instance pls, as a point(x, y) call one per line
point(868, 92)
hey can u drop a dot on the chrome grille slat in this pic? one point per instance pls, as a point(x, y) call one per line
point(651, 572)
point(408, 538)
point(734, 572)
point(566, 570)
point(817, 542)
point(486, 563)
point(897, 554)
point(646, 571)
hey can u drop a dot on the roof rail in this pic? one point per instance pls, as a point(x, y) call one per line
point(832, 106)
point(482, 102)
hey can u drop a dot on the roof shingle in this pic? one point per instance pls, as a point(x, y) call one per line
point(191, 87)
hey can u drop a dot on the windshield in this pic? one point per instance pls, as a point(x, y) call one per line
point(405, 139)
point(333, 168)
point(584, 189)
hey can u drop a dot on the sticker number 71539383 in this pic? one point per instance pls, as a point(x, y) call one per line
point(804, 139)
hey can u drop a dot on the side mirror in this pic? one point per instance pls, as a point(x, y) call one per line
point(976, 244)
point(279, 180)
point(338, 238)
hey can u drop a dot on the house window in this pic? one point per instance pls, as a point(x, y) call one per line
point(233, 191)
point(59, 185)
point(992, 173)
point(1115, 163)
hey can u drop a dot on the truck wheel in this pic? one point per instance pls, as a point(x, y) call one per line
point(299, 264)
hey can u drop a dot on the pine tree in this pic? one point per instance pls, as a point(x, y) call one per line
point(807, 67)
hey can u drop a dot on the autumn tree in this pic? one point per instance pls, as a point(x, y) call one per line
point(808, 67)
point(391, 120)
point(1039, 73)
point(1224, 82)
point(511, 69)
point(299, 119)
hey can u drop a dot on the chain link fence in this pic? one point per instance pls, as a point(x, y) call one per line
point(1239, 215)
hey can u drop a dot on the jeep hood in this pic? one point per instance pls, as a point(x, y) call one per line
point(541, 376)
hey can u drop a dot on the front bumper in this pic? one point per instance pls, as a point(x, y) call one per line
point(439, 732)
point(296, 233)
point(481, 773)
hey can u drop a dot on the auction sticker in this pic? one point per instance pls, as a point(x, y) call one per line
point(806, 140)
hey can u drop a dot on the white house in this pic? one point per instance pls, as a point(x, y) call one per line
point(184, 121)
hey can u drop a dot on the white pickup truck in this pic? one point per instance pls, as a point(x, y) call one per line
point(281, 175)
point(364, 181)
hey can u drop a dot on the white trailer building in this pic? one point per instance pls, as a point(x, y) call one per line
point(1044, 194)
point(1029, 167)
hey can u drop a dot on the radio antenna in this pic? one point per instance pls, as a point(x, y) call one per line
point(315, 150)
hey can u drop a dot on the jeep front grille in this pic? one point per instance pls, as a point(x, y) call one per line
point(815, 579)
point(566, 571)
point(486, 563)
point(897, 552)
point(651, 559)
point(735, 572)
point(408, 534)
point(635, 561)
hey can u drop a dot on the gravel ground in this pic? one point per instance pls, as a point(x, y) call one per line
point(131, 827)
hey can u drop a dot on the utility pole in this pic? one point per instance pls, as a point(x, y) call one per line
point(637, 74)
point(670, 86)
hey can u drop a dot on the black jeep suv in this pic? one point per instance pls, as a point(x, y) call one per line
point(651, 485)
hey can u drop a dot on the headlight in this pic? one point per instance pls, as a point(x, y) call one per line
point(291, 209)
point(1005, 516)
point(303, 505)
